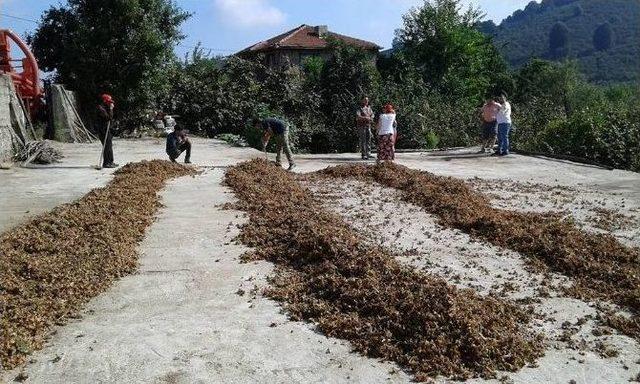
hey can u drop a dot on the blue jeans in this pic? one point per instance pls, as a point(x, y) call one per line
point(503, 138)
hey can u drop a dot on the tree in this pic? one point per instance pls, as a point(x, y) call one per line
point(578, 11)
point(532, 8)
point(549, 82)
point(121, 47)
point(519, 15)
point(546, 5)
point(603, 37)
point(562, 3)
point(346, 77)
point(559, 40)
point(488, 27)
point(195, 92)
point(312, 67)
point(444, 44)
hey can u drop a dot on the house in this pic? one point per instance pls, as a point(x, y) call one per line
point(294, 46)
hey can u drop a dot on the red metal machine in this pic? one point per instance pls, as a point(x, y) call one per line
point(24, 72)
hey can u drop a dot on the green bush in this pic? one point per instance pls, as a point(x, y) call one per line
point(235, 140)
point(253, 136)
point(431, 140)
point(565, 115)
point(610, 138)
point(212, 95)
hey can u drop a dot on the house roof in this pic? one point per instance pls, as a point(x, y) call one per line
point(306, 37)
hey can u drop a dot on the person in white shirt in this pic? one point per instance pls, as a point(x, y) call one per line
point(504, 126)
point(387, 128)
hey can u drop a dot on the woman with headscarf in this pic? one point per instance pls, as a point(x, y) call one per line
point(387, 128)
point(105, 119)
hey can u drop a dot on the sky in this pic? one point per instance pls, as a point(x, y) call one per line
point(227, 26)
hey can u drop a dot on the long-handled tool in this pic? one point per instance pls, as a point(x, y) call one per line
point(264, 149)
point(104, 143)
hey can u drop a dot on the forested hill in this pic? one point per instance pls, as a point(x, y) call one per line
point(602, 35)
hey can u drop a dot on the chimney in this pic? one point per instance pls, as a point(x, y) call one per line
point(321, 30)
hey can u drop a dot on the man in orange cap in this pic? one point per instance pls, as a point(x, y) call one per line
point(105, 119)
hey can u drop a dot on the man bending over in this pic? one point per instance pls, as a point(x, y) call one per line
point(178, 142)
point(280, 131)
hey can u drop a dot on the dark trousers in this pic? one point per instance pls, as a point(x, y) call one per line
point(182, 147)
point(107, 154)
point(282, 143)
point(364, 136)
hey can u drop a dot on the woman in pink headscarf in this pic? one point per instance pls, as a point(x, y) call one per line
point(387, 128)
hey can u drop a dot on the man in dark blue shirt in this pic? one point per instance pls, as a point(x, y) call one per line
point(178, 142)
point(280, 131)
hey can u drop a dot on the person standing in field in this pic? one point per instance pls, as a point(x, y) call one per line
point(387, 129)
point(279, 129)
point(105, 109)
point(489, 125)
point(504, 125)
point(364, 118)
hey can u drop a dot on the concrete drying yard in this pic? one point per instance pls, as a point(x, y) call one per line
point(194, 312)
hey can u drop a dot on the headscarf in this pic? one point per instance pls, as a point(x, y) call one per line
point(106, 98)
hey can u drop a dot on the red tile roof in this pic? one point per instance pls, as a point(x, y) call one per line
point(305, 37)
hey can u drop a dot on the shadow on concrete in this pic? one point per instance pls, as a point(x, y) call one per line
point(338, 160)
point(466, 156)
point(454, 155)
point(214, 166)
point(61, 167)
point(573, 161)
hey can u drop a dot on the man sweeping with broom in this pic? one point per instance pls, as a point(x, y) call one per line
point(105, 118)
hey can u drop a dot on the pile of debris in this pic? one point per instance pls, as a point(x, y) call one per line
point(600, 265)
point(327, 274)
point(68, 125)
point(14, 121)
point(53, 264)
point(38, 152)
